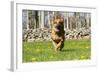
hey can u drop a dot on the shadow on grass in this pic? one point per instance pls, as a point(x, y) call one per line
point(69, 50)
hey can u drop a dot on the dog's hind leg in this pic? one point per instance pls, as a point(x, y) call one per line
point(62, 45)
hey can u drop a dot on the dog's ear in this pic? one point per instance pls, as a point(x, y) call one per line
point(53, 20)
point(61, 20)
point(57, 19)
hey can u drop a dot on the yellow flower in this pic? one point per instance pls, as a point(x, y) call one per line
point(82, 57)
point(33, 59)
point(51, 56)
point(27, 49)
point(87, 47)
point(38, 50)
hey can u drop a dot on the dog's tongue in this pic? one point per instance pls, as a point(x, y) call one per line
point(57, 30)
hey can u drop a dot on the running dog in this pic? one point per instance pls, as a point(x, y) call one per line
point(57, 33)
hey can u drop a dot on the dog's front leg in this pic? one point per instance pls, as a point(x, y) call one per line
point(60, 44)
point(55, 45)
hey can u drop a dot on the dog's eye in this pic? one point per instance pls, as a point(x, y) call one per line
point(55, 22)
point(61, 22)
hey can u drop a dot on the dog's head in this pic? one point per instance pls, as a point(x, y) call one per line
point(57, 22)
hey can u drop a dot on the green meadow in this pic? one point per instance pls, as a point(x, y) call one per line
point(44, 51)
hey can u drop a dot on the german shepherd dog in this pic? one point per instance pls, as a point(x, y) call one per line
point(57, 33)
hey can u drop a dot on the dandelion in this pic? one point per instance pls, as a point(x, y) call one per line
point(87, 47)
point(51, 56)
point(33, 59)
point(27, 49)
point(38, 50)
point(82, 57)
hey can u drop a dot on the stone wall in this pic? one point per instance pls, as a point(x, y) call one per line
point(43, 34)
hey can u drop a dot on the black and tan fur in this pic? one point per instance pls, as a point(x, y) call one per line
point(57, 33)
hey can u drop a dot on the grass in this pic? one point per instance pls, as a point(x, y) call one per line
point(44, 51)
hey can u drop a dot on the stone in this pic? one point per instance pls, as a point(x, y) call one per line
point(41, 34)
